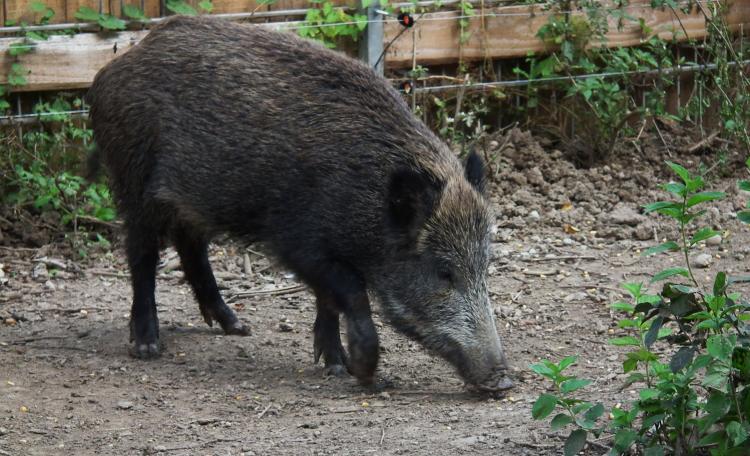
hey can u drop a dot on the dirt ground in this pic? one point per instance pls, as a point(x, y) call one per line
point(566, 239)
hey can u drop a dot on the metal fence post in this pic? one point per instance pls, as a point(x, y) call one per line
point(371, 44)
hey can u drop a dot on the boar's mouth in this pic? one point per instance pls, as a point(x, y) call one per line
point(497, 381)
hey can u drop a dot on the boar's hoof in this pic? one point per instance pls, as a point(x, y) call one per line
point(145, 350)
point(336, 370)
point(364, 372)
point(237, 329)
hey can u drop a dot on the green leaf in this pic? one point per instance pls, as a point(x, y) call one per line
point(566, 362)
point(560, 421)
point(574, 384)
point(737, 433)
point(720, 283)
point(623, 306)
point(180, 7)
point(676, 188)
point(133, 12)
point(575, 442)
point(111, 23)
point(702, 235)
point(741, 362)
point(87, 14)
point(626, 340)
point(648, 393)
point(671, 272)
point(543, 370)
point(744, 185)
point(681, 359)
point(680, 171)
point(656, 450)
point(715, 380)
point(634, 288)
point(20, 48)
point(743, 216)
point(718, 404)
point(206, 6)
point(624, 439)
point(105, 213)
point(366, 3)
point(703, 197)
point(694, 184)
point(669, 245)
point(38, 7)
point(720, 347)
point(594, 413)
point(659, 205)
point(543, 406)
point(653, 332)
point(629, 365)
point(711, 439)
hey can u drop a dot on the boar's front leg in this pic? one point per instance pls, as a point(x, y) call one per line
point(348, 295)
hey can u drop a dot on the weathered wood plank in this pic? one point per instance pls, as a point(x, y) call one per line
point(65, 62)
point(509, 33)
point(71, 62)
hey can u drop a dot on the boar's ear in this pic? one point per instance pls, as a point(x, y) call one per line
point(411, 199)
point(476, 172)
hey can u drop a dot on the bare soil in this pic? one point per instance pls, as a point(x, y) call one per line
point(566, 239)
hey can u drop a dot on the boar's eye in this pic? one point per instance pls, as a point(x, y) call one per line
point(446, 275)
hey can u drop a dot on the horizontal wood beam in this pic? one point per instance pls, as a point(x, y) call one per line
point(507, 32)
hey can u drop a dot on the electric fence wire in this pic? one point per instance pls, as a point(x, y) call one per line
point(476, 85)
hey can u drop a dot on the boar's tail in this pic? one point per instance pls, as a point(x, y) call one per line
point(94, 164)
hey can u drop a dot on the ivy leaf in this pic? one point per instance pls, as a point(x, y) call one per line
point(206, 6)
point(133, 12)
point(111, 23)
point(87, 14)
point(38, 7)
point(180, 7)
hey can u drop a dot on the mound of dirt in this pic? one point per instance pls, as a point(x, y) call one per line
point(535, 184)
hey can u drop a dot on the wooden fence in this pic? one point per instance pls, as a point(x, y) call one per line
point(65, 62)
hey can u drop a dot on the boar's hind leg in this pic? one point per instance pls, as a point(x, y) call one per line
point(327, 340)
point(349, 295)
point(143, 254)
point(193, 250)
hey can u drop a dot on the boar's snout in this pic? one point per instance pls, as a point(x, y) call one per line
point(486, 368)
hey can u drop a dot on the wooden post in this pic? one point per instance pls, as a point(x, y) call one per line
point(371, 46)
